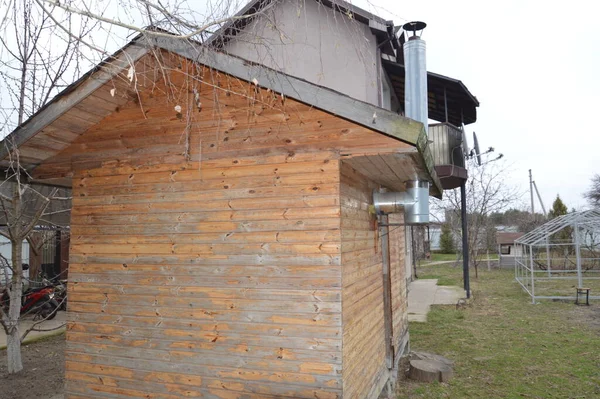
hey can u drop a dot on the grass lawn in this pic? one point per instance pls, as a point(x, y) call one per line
point(505, 347)
point(436, 257)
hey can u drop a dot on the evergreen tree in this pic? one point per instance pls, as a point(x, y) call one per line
point(446, 240)
point(558, 208)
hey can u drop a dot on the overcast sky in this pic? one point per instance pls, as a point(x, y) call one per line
point(533, 66)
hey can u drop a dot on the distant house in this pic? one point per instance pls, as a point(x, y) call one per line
point(42, 257)
point(6, 255)
point(435, 233)
point(50, 259)
point(507, 250)
point(224, 241)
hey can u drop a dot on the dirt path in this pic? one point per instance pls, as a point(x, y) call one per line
point(43, 373)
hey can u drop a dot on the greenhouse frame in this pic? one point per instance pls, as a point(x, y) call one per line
point(561, 257)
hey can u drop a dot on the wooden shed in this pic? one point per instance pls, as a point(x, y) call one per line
point(508, 251)
point(223, 242)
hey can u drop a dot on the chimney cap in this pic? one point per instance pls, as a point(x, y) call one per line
point(414, 26)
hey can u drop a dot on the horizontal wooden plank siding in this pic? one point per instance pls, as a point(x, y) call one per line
point(212, 246)
point(237, 299)
point(363, 350)
point(214, 274)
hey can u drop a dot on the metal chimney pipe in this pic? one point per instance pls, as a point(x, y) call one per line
point(414, 202)
point(415, 69)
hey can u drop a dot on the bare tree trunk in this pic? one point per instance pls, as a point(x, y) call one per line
point(13, 338)
point(13, 350)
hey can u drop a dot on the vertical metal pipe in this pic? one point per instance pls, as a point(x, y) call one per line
point(532, 274)
point(465, 241)
point(415, 83)
point(414, 251)
point(518, 265)
point(516, 262)
point(578, 255)
point(384, 235)
point(548, 259)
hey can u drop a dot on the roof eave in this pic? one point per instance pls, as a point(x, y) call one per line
point(361, 113)
point(73, 94)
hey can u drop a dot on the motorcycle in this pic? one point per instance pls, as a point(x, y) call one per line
point(60, 293)
point(37, 301)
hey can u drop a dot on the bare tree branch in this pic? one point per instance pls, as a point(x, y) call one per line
point(197, 30)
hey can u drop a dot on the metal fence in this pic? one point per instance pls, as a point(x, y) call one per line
point(557, 258)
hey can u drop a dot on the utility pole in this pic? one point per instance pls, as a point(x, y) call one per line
point(531, 192)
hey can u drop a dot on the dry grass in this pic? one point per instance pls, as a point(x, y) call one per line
point(564, 287)
point(505, 347)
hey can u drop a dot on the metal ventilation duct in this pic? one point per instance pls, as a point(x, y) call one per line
point(414, 202)
point(415, 89)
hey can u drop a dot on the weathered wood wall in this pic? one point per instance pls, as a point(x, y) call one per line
point(206, 245)
point(399, 284)
point(206, 292)
point(362, 288)
point(364, 348)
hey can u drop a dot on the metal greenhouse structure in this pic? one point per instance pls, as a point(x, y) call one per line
point(561, 258)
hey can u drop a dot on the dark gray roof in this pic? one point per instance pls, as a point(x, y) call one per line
point(505, 238)
point(461, 104)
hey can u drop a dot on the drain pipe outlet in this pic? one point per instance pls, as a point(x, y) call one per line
point(414, 202)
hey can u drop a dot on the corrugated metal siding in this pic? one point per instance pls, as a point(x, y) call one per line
point(446, 147)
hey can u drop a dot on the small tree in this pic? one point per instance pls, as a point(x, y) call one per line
point(447, 240)
point(593, 195)
point(22, 208)
point(558, 208)
point(487, 194)
point(37, 59)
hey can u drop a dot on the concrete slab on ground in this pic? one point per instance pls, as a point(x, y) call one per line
point(52, 325)
point(448, 295)
point(424, 293)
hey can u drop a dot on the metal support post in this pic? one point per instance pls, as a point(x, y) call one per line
point(532, 274)
point(578, 255)
point(465, 241)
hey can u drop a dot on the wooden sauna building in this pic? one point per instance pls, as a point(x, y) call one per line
point(223, 238)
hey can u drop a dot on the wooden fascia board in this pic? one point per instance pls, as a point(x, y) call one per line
point(361, 113)
point(64, 102)
point(428, 164)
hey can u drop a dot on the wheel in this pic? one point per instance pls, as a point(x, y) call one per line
point(49, 309)
point(63, 304)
